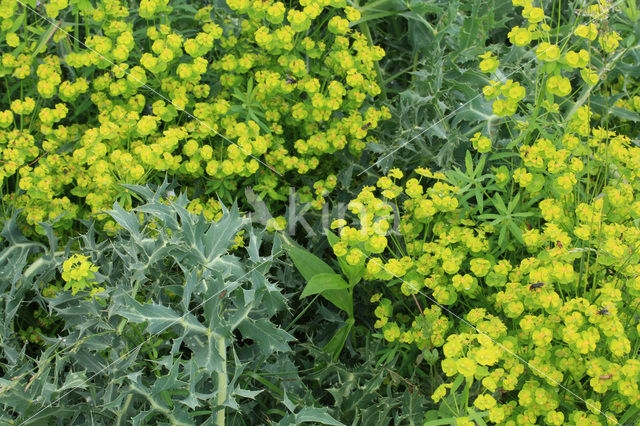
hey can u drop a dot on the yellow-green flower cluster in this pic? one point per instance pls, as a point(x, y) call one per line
point(554, 303)
point(18, 148)
point(78, 272)
point(260, 95)
point(506, 96)
point(558, 62)
point(211, 209)
point(564, 299)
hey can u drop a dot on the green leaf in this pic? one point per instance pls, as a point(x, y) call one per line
point(159, 317)
point(126, 219)
point(605, 107)
point(306, 262)
point(268, 336)
point(516, 231)
point(502, 236)
point(74, 380)
point(44, 39)
point(220, 234)
point(322, 282)
point(468, 162)
point(333, 238)
point(244, 393)
point(333, 288)
point(499, 204)
point(446, 421)
point(341, 299)
point(336, 343)
point(631, 413)
point(287, 402)
point(84, 6)
point(316, 415)
point(477, 417)
point(514, 202)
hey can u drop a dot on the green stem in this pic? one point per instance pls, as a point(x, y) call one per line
point(222, 382)
point(124, 409)
point(302, 313)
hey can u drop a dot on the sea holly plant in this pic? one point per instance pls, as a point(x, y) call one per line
point(185, 318)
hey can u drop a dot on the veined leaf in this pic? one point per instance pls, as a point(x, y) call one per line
point(268, 336)
point(159, 317)
point(341, 299)
point(322, 282)
point(127, 220)
point(306, 262)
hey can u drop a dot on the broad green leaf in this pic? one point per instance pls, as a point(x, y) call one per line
point(84, 5)
point(168, 381)
point(219, 236)
point(44, 415)
point(323, 282)
point(74, 380)
point(306, 262)
point(244, 393)
point(127, 220)
point(341, 299)
point(332, 238)
point(163, 212)
point(603, 107)
point(159, 317)
point(287, 402)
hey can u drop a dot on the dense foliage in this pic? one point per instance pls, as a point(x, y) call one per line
point(320, 212)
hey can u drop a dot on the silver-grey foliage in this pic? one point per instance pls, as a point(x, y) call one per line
point(157, 346)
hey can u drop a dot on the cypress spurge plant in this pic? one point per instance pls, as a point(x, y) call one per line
point(244, 93)
point(523, 268)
